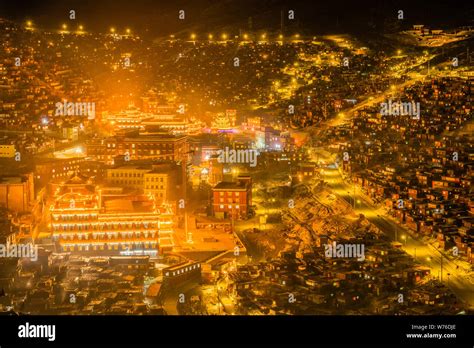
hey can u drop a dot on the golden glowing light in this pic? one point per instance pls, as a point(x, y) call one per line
point(224, 36)
point(246, 36)
point(112, 30)
point(280, 37)
point(210, 36)
point(128, 31)
point(264, 36)
point(64, 26)
point(81, 27)
point(193, 36)
point(29, 23)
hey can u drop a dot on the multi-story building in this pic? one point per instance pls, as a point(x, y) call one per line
point(136, 147)
point(89, 219)
point(127, 176)
point(70, 132)
point(166, 119)
point(163, 181)
point(305, 171)
point(48, 169)
point(224, 122)
point(173, 124)
point(253, 124)
point(7, 150)
point(232, 199)
point(17, 192)
point(128, 119)
point(182, 272)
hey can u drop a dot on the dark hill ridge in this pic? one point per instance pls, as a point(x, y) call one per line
point(160, 18)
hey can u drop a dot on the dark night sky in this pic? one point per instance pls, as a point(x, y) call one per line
point(313, 16)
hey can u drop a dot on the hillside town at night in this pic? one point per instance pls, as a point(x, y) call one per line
point(235, 171)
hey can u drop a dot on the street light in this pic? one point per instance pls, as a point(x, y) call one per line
point(64, 26)
point(112, 30)
point(404, 238)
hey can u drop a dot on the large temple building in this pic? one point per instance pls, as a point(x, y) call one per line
point(98, 220)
